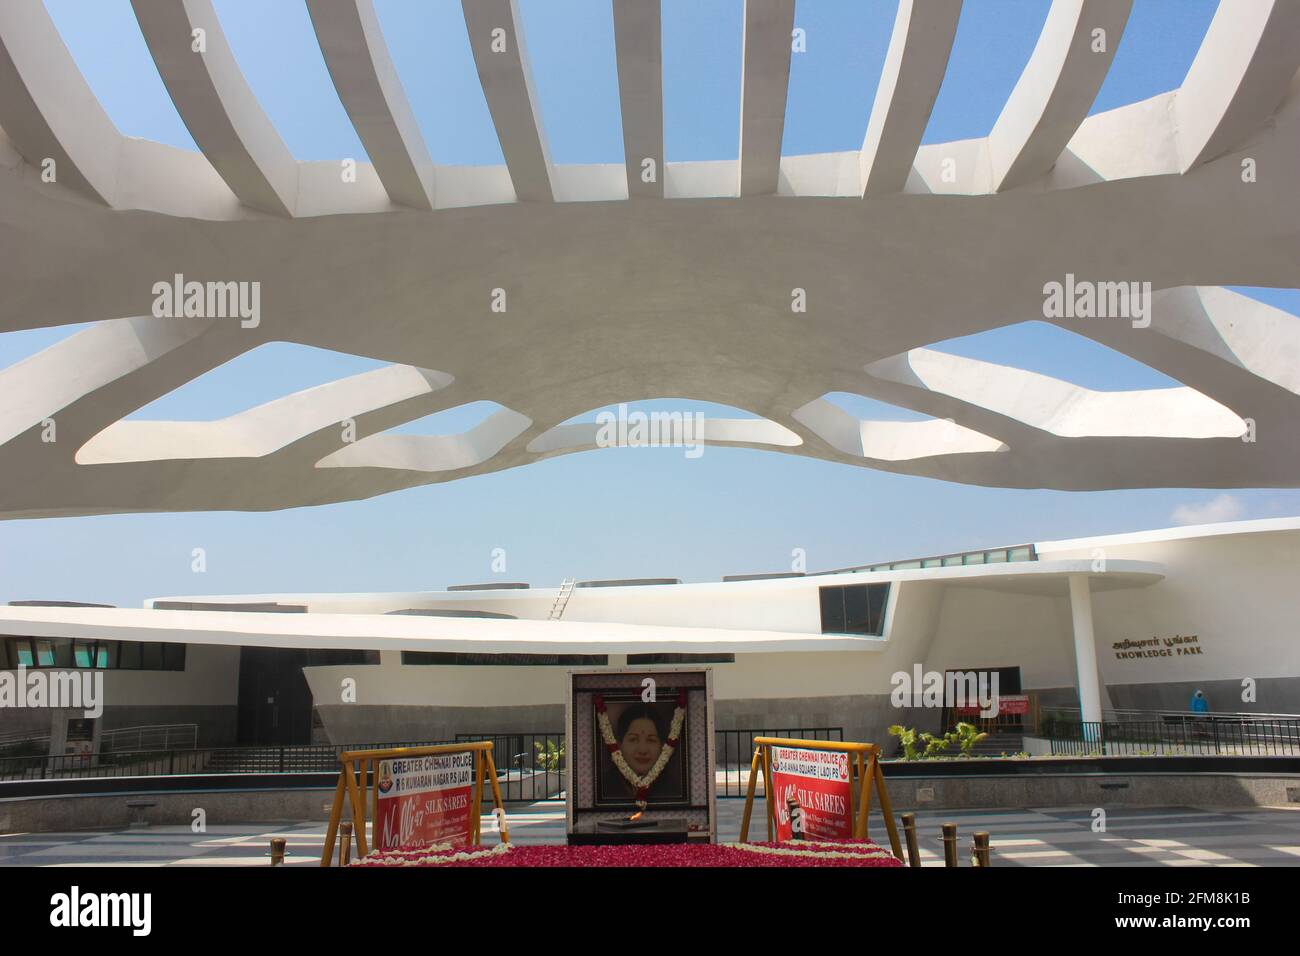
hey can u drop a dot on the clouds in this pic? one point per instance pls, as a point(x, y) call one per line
point(1220, 508)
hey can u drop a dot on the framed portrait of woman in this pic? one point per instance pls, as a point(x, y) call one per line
point(642, 731)
point(640, 754)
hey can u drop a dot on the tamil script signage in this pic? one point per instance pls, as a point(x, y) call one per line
point(1180, 645)
point(424, 800)
point(818, 780)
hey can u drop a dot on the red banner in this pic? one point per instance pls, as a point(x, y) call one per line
point(424, 800)
point(1011, 704)
point(818, 780)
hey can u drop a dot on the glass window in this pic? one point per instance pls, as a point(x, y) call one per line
point(83, 653)
point(879, 597)
point(44, 653)
point(106, 655)
point(129, 655)
point(173, 657)
point(832, 600)
point(1021, 554)
point(681, 659)
point(951, 560)
point(855, 609)
point(521, 660)
point(151, 657)
point(975, 558)
point(997, 557)
point(23, 647)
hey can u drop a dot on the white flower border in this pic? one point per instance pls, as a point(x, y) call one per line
point(877, 854)
point(665, 755)
point(430, 857)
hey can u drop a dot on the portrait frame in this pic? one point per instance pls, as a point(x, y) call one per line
point(612, 790)
point(588, 813)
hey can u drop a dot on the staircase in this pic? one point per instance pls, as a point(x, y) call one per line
point(562, 599)
point(1007, 742)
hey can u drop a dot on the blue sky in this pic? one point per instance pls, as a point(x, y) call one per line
point(617, 512)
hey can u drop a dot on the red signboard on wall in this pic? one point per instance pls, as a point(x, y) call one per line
point(1008, 704)
point(424, 800)
point(819, 781)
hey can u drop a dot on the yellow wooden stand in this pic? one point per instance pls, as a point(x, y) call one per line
point(864, 764)
point(358, 763)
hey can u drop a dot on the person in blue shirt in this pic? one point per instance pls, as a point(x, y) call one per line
point(1200, 704)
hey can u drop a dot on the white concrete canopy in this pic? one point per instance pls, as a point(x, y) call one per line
point(684, 292)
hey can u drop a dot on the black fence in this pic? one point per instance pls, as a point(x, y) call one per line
point(323, 758)
point(1176, 734)
point(735, 753)
point(530, 766)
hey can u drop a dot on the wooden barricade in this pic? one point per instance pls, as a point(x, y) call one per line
point(356, 764)
point(864, 765)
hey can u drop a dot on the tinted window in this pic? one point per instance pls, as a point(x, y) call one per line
point(129, 659)
point(854, 609)
point(832, 610)
point(173, 657)
point(523, 660)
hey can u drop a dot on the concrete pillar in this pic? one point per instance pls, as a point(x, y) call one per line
point(1085, 648)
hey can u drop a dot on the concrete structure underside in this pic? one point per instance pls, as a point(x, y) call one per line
point(620, 289)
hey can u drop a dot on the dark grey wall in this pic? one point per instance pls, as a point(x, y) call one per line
point(357, 723)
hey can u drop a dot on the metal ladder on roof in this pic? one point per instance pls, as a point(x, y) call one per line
point(562, 599)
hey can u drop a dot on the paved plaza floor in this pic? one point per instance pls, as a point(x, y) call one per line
point(1155, 836)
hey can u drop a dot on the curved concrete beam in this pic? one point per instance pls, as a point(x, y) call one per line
point(501, 57)
point(1241, 73)
point(432, 453)
point(267, 428)
point(371, 92)
point(1056, 89)
point(892, 441)
point(765, 83)
point(217, 105)
point(48, 110)
point(638, 39)
point(909, 83)
point(1062, 408)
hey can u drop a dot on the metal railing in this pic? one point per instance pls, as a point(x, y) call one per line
point(145, 737)
point(321, 758)
point(734, 751)
point(1177, 734)
point(530, 766)
point(152, 737)
point(1008, 555)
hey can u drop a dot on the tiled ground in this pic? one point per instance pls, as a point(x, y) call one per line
point(1173, 836)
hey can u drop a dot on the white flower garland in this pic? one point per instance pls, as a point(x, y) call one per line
point(642, 784)
point(831, 855)
point(431, 858)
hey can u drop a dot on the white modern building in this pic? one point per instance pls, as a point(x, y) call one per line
point(623, 287)
point(1133, 621)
